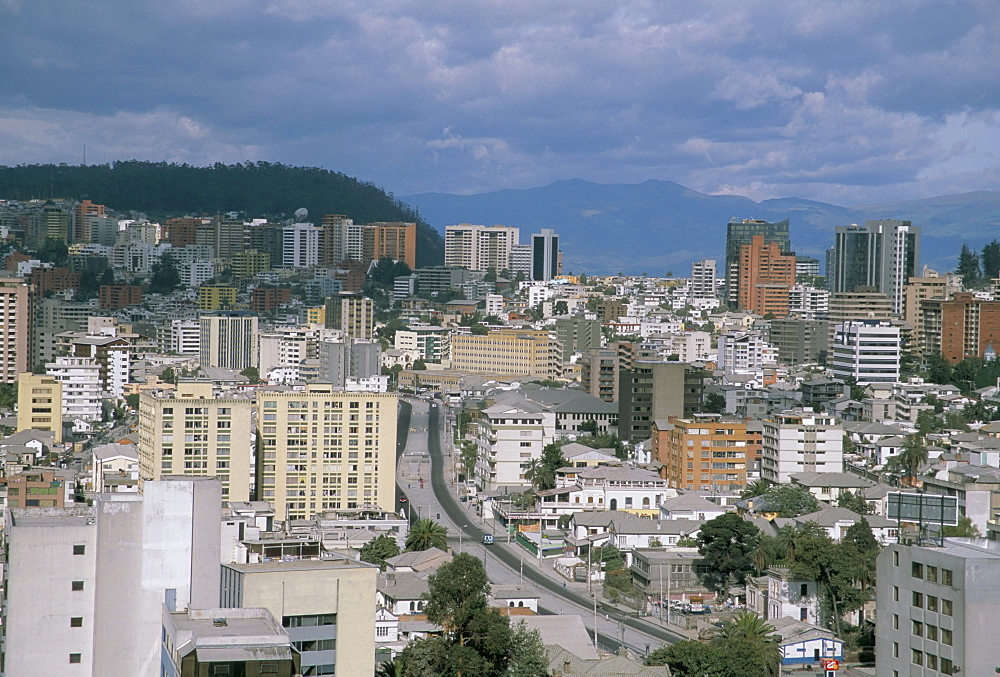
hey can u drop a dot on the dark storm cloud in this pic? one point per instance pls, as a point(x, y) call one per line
point(845, 101)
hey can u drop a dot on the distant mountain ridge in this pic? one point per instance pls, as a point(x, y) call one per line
point(659, 226)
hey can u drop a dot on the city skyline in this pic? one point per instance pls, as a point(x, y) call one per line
point(845, 103)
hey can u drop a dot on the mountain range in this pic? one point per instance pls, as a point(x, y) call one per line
point(657, 227)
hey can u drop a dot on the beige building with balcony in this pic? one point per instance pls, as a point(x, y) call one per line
point(39, 404)
point(527, 352)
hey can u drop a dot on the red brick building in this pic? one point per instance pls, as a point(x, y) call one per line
point(116, 296)
point(53, 279)
point(267, 299)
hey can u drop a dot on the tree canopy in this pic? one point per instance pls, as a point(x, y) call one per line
point(379, 549)
point(426, 534)
point(727, 543)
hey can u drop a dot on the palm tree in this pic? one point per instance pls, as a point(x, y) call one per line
point(913, 455)
point(389, 669)
point(426, 534)
point(749, 626)
point(533, 472)
point(756, 488)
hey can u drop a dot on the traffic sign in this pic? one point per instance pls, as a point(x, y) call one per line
point(831, 664)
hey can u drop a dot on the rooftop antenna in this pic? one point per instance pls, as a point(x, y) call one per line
point(84, 155)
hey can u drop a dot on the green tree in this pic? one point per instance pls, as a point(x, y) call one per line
point(588, 426)
point(789, 500)
point(379, 549)
point(457, 593)
point(541, 472)
point(966, 529)
point(53, 251)
point(426, 534)
point(470, 456)
point(757, 487)
point(715, 403)
point(938, 369)
point(605, 441)
point(991, 260)
point(749, 631)
point(854, 501)
point(419, 365)
point(251, 373)
point(913, 455)
point(165, 278)
point(727, 543)
point(132, 401)
point(560, 308)
point(689, 658)
point(8, 395)
point(169, 375)
point(528, 656)
point(968, 266)
point(479, 329)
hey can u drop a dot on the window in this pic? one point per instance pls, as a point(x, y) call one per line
point(79, 549)
point(932, 574)
point(931, 662)
point(931, 633)
point(917, 570)
point(918, 657)
point(946, 607)
point(76, 622)
point(895, 593)
point(946, 636)
point(946, 667)
point(932, 603)
point(947, 577)
point(918, 628)
point(895, 621)
point(75, 658)
point(918, 599)
point(895, 558)
point(77, 586)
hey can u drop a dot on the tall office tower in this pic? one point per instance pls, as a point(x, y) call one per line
point(866, 350)
point(299, 245)
point(881, 254)
point(86, 587)
point(15, 329)
point(346, 460)
point(353, 314)
point(396, 240)
point(765, 276)
point(340, 240)
point(479, 247)
point(268, 239)
point(961, 327)
point(229, 340)
point(39, 404)
point(738, 234)
point(936, 608)
point(81, 227)
point(544, 255)
point(797, 340)
point(799, 440)
point(704, 280)
point(192, 431)
point(55, 224)
point(806, 266)
point(657, 391)
point(103, 230)
point(231, 237)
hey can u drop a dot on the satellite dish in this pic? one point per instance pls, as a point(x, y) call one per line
point(301, 213)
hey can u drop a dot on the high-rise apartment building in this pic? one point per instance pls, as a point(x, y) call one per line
point(80, 382)
point(880, 254)
point(353, 314)
point(865, 350)
point(936, 608)
point(477, 247)
point(657, 391)
point(709, 452)
point(81, 226)
point(39, 404)
point(217, 297)
point(527, 352)
point(740, 233)
point(340, 240)
point(765, 276)
point(960, 327)
point(299, 245)
point(229, 340)
point(704, 280)
point(324, 449)
point(191, 431)
point(545, 263)
point(918, 290)
point(799, 440)
point(230, 237)
point(182, 232)
point(397, 241)
point(15, 329)
point(797, 341)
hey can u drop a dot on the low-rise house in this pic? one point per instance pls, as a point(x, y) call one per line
point(836, 521)
point(779, 594)
point(514, 597)
point(805, 643)
point(830, 486)
point(612, 487)
point(631, 533)
point(669, 574)
point(116, 468)
point(417, 561)
point(690, 506)
point(402, 593)
point(581, 456)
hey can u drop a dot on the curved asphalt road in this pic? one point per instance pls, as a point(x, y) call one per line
point(458, 516)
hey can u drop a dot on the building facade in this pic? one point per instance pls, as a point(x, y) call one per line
point(800, 440)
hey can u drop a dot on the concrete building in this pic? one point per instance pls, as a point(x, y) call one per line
point(577, 335)
point(779, 594)
point(185, 337)
point(340, 240)
point(217, 297)
point(808, 302)
point(799, 440)
point(15, 329)
point(299, 245)
point(797, 341)
point(326, 607)
point(920, 289)
point(936, 608)
point(510, 434)
point(80, 382)
point(600, 369)
point(117, 296)
point(657, 391)
point(545, 255)
point(880, 254)
point(707, 452)
point(190, 431)
point(704, 280)
point(961, 327)
point(347, 462)
point(766, 273)
point(229, 340)
point(477, 247)
point(433, 343)
point(49, 318)
point(745, 352)
point(527, 352)
point(353, 314)
point(396, 240)
point(740, 233)
point(39, 404)
point(866, 350)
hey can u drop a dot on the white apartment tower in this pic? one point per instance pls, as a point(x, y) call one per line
point(799, 440)
point(300, 245)
point(867, 350)
point(80, 378)
point(229, 340)
point(704, 279)
point(476, 247)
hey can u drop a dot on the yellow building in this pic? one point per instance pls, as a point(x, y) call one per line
point(250, 262)
point(324, 449)
point(216, 297)
point(710, 452)
point(190, 431)
point(508, 351)
point(39, 404)
point(316, 315)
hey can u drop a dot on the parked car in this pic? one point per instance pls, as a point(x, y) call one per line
point(487, 539)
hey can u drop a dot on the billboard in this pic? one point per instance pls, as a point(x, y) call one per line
point(923, 508)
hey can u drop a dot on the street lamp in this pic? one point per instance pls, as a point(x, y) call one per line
point(460, 534)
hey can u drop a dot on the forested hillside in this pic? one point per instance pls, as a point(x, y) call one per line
point(261, 189)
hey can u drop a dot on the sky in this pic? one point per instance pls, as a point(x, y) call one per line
point(843, 101)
